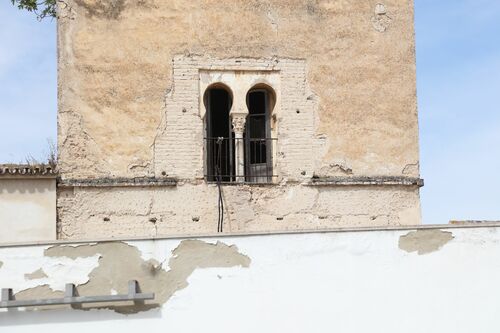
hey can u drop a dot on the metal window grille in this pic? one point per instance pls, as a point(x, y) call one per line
point(221, 160)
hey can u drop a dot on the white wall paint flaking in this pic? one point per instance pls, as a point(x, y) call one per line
point(319, 282)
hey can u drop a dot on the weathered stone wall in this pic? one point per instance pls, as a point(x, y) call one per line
point(115, 69)
point(130, 106)
point(179, 143)
point(154, 211)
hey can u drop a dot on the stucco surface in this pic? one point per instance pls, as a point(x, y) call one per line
point(27, 209)
point(115, 68)
point(314, 282)
point(131, 80)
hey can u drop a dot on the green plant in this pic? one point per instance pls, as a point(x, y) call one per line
point(42, 8)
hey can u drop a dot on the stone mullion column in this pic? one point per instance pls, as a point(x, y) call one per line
point(239, 121)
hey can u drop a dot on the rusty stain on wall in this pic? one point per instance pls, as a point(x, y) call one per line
point(424, 241)
point(120, 262)
point(38, 274)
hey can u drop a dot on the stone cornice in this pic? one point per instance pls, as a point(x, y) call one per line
point(117, 182)
point(366, 181)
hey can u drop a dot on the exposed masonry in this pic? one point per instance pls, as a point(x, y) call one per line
point(125, 115)
point(424, 241)
point(177, 201)
point(178, 149)
point(146, 211)
point(120, 262)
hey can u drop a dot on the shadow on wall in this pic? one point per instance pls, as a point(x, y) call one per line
point(14, 317)
point(24, 186)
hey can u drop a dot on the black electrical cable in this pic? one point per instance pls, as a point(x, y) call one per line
point(220, 203)
point(221, 210)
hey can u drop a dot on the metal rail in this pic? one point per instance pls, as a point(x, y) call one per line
point(220, 164)
point(71, 297)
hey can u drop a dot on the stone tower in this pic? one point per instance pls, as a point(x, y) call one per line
point(184, 117)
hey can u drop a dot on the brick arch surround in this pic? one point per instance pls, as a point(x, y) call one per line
point(179, 143)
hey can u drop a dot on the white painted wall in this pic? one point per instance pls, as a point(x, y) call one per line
point(27, 209)
point(317, 282)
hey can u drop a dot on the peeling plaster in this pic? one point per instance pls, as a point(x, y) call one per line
point(282, 271)
point(337, 168)
point(165, 88)
point(19, 267)
point(424, 241)
point(120, 262)
point(38, 274)
point(43, 291)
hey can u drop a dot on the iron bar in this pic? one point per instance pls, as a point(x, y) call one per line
point(71, 297)
point(258, 162)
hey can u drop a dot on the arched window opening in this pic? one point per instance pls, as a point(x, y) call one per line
point(258, 138)
point(219, 138)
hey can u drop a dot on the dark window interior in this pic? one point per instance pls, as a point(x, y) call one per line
point(257, 115)
point(219, 113)
point(257, 135)
point(220, 140)
point(220, 147)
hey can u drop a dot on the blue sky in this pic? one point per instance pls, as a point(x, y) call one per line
point(458, 77)
point(28, 81)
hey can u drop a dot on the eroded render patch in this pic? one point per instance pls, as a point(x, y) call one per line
point(39, 292)
point(121, 262)
point(38, 274)
point(424, 241)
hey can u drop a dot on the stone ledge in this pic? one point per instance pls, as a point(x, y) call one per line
point(366, 181)
point(474, 222)
point(117, 182)
point(248, 234)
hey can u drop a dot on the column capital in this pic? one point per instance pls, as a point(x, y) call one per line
point(238, 120)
